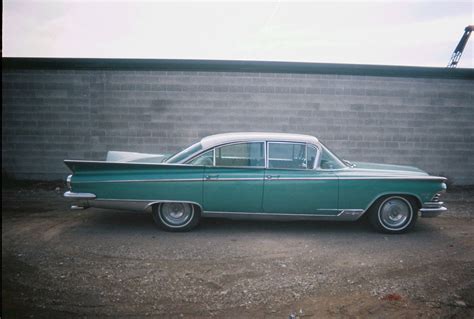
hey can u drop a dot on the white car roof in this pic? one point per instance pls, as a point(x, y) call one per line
point(218, 139)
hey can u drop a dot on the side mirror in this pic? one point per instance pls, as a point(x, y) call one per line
point(348, 163)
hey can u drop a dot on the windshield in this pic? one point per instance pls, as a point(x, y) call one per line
point(329, 160)
point(184, 154)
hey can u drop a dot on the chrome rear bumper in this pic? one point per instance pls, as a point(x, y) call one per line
point(432, 209)
point(81, 200)
point(71, 195)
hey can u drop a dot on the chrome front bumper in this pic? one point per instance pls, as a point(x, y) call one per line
point(432, 209)
point(81, 200)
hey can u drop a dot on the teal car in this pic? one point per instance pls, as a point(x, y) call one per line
point(256, 175)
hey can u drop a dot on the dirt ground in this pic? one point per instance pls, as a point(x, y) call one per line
point(99, 263)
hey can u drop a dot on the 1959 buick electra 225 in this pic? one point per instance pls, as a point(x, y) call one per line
point(275, 175)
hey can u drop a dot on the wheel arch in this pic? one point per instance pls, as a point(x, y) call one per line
point(387, 194)
point(150, 205)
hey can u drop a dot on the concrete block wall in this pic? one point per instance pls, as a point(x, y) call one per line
point(52, 115)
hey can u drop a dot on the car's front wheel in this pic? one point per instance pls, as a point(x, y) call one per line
point(176, 216)
point(394, 214)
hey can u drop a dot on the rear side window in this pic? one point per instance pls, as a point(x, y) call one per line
point(184, 154)
point(206, 159)
point(241, 155)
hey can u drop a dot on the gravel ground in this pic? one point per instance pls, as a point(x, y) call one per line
point(99, 263)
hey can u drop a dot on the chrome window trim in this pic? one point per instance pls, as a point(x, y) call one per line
point(316, 163)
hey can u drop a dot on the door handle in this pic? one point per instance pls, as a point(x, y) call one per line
point(270, 177)
point(211, 177)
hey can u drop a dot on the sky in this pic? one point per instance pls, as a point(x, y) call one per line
point(415, 33)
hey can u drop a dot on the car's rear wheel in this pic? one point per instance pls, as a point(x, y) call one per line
point(394, 214)
point(176, 216)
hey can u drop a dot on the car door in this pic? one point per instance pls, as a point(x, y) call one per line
point(234, 183)
point(293, 185)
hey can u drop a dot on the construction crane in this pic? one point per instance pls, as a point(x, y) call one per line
point(460, 47)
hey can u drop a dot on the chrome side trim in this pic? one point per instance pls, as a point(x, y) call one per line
point(346, 215)
point(409, 177)
point(207, 212)
point(304, 178)
point(145, 205)
point(170, 180)
point(158, 180)
point(71, 195)
point(351, 214)
point(358, 178)
point(220, 179)
point(140, 205)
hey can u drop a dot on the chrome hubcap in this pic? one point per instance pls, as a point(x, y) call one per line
point(395, 212)
point(176, 214)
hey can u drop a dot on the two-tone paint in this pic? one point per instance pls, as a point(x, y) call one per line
point(314, 193)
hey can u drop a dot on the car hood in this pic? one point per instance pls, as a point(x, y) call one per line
point(388, 168)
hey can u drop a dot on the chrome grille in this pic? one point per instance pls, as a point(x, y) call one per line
point(436, 197)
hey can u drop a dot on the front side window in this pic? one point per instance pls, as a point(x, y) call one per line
point(311, 153)
point(241, 155)
point(329, 160)
point(291, 156)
